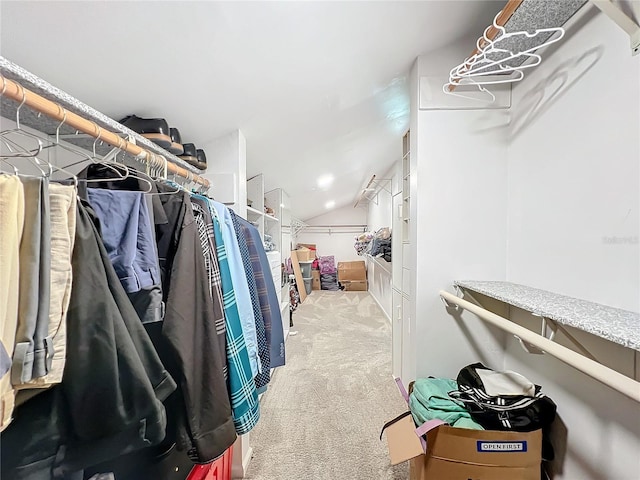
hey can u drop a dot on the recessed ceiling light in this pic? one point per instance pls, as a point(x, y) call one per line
point(325, 181)
point(330, 204)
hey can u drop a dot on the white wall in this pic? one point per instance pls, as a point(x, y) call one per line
point(459, 222)
point(574, 170)
point(574, 182)
point(228, 155)
point(339, 242)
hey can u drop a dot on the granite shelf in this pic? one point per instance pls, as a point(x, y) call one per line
point(613, 324)
point(48, 126)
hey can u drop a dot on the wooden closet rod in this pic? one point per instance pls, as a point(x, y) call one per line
point(506, 13)
point(17, 92)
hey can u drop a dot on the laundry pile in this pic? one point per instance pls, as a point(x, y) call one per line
point(362, 242)
point(328, 273)
point(481, 398)
point(376, 244)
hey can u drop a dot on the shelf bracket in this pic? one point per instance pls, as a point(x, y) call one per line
point(548, 331)
point(625, 22)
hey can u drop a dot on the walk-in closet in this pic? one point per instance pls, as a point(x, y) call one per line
point(277, 240)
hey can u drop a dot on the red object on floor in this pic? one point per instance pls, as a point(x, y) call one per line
point(217, 470)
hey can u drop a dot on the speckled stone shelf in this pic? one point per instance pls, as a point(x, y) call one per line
point(618, 326)
point(47, 125)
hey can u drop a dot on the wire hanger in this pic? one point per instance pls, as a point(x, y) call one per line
point(25, 152)
point(161, 176)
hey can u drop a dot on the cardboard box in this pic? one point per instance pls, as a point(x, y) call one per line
point(352, 271)
point(354, 285)
point(310, 246)
point(461, 454)
point(315, 275)
point(306, 255)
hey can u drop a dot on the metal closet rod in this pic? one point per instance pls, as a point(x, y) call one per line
point(623, 384)
point(23, 96)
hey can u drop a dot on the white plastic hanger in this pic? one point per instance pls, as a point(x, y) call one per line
point(492, 47)
point(445, 88)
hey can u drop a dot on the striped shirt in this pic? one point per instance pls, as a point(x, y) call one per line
point(242, 388)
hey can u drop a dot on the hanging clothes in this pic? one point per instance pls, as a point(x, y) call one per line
point(148, 300)
point(240, 284)
point(264, 376)
point(110, 400)
point(161, 321)
point(188, 344)
point(127, 236)
point(33, 349)
point(204, 223)
point(62, 203)
point(267, 295)
point(242, 389)
point(11, 226)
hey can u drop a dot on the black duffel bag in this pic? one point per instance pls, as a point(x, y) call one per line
point(519, 413)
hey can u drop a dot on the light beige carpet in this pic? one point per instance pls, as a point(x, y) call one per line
point(322, 415)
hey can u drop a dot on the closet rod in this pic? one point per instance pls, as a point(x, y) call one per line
point(506, 13)
point(21, 95)
point(603, 374)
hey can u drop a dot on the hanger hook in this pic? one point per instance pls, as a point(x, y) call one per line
point(500, 28)
point(24, 99)
point(64, 119)
point(96, 140)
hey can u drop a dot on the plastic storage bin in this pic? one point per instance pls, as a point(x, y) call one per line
point(306, 269)
point(308, 284)
point(220, 469)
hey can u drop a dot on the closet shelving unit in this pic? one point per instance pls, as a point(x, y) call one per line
point(256, 212)
point(401, 264)
point(381, 262)
point(556, 312)
point(279, 227)
point(49, 110)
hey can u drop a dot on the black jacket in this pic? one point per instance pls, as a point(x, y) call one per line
point(110, 399)
point(204, 426)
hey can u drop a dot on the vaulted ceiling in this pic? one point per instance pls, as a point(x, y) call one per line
point(318, 88)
